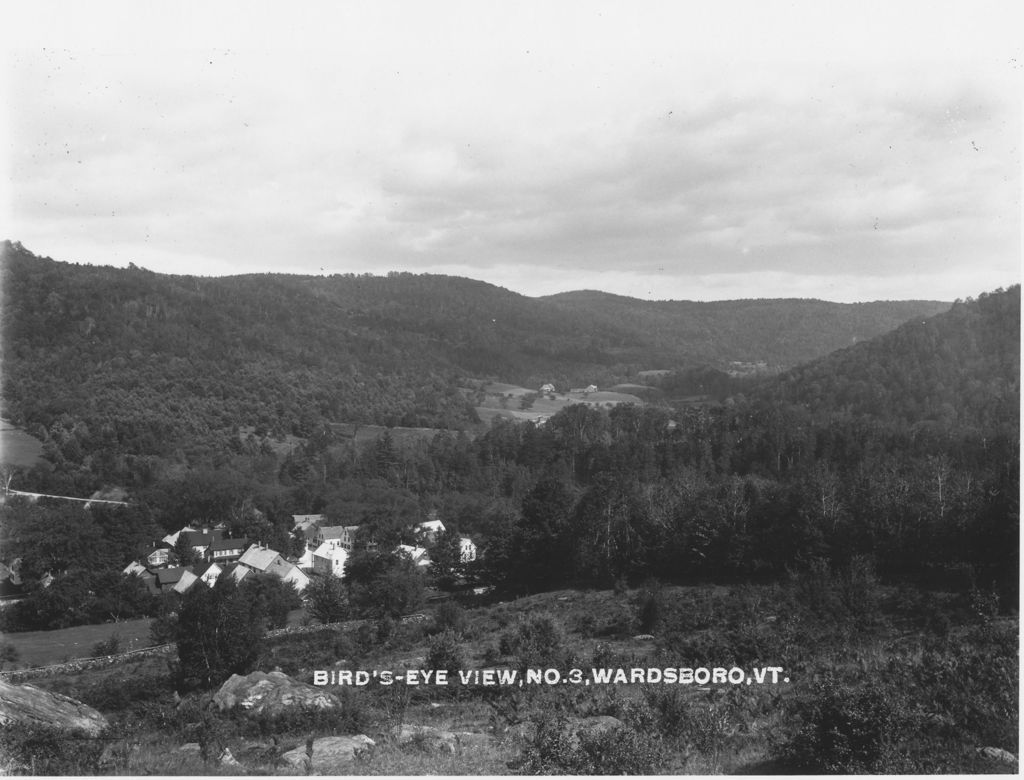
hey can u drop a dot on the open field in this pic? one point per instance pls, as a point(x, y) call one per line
point(17, 448)
point(40, 648)
point(505, 400)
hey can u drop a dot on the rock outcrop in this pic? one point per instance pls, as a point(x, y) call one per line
point(34, 706)
point(271, 693)
point(327, 753)
point(997, 755)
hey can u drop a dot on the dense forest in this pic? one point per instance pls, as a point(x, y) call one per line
point(901, 452)
point(127, 375)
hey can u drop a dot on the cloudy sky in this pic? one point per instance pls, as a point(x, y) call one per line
point(846, 151)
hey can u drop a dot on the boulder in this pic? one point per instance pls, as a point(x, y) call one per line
point(34, 706)
point(328, 752)
point(595, 725)
point(271, 693)
point(997, 755)
point(473, 739)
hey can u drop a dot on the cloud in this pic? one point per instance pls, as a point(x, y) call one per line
point(633, 153)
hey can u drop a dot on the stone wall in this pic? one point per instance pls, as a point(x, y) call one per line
point(82, 664)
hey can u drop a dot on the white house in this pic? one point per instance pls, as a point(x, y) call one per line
point(305, 561)
point(429, 530)
point(547, 388)
point(467, 549)
point(186, 581)
point(134, 568)
point(172, 539)
point(419, 555)
point(293, 575)
point(329, 559)
point(343, 536)
point(225, 550)
point(266, 561)
point(208, 573)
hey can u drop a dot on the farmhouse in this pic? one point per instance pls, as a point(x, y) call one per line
point(329, 560)
point(418, 555)
point(167, 579)
point(343, 536)
point(172, 539)
point(430, 529)
point(547, 388)
point(467, 549)
point(160, 555)
point(207, 572)
point(200, 541)
point(224, 550)
point(266, 561)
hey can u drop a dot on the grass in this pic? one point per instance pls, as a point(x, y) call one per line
point(940, 692)
point(40, 648)
point(17, 448)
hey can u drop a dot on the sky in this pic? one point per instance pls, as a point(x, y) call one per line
point(661, 150)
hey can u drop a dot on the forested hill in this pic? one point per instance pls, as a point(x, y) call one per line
point(151, 360)
point(783, 332)
point(961, 367)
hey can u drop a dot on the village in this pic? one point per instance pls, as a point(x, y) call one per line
point(325, 551)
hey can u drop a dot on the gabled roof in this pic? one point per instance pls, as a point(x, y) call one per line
point(229, 544)
point(258, 557)
point(200, 539)
point(172, 539)
point(328, 550)
point(334, 531)
point(418, 554)
point(165, 577)
point(235, 571)
point(202, 568)
point(188, 579)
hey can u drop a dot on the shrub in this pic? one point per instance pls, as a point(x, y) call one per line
point(449, 616)
point(556, 750)
point(40, 750)
point(845, 731)
point(8, 654)
point(445, 653)
point(649, 609)
point(110, 646)
point(536, 641)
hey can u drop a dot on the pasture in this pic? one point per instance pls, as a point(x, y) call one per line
point(505, 400)
point(17, 448)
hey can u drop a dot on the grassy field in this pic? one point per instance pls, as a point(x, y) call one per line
point(39, 648)
point(17, 448)
point(505, 400)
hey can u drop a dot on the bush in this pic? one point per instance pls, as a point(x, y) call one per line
point(649, 609)
point(845, 731)
point(445, 653)
point(449, 616)
point(39, 750)
point(556, 750)
point(537, 641)
point(111, 646)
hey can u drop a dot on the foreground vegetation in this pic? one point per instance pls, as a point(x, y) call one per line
point(881, 680)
